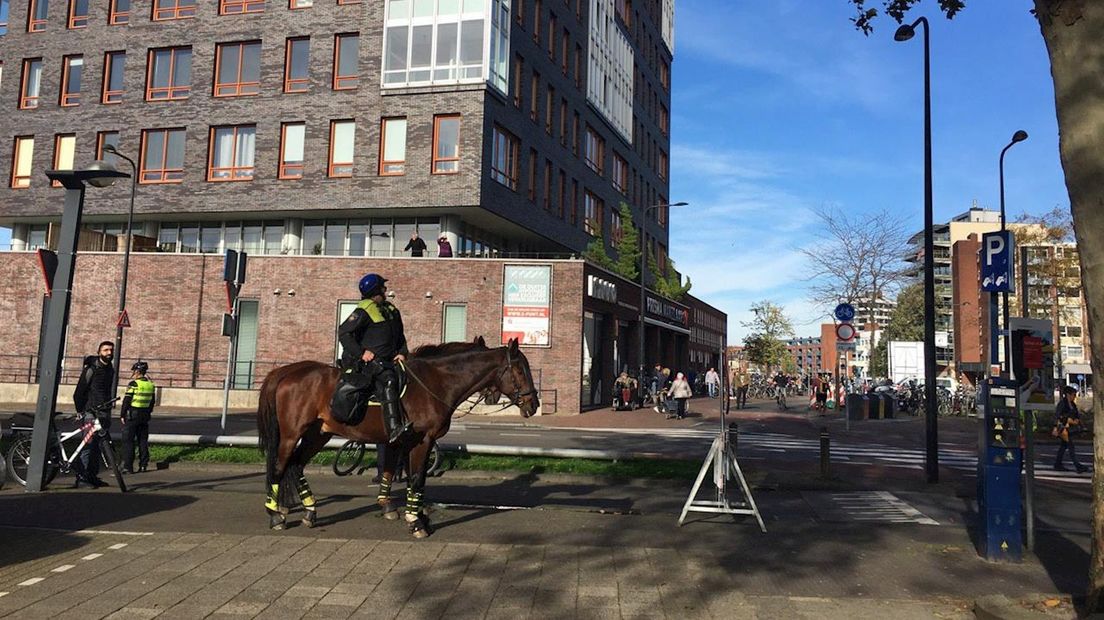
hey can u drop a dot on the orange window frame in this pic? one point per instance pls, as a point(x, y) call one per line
point(101, 140)
point(29, 102)
point(549, 109)
point(108, 96)
point(76, 22)
point(164, 175)
point(57, 152)
point(173, 92)
point(336, 169)
point(437, 158)
point(241, 7)
point(236, 173)
point(19, 181)
point(534, 95)
point(68, 99)
point(34, 25)
point(286, 170)
point(384, 163)
point(506, 147)
point(295, 85)
point(341, 81)
point(115, 17)
point(294, 4)
point(165, 10)
point(238, 88)
point(348, 1)
point(516, 86)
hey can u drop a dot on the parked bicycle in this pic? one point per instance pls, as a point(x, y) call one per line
point(350, 455)
point(58, 459)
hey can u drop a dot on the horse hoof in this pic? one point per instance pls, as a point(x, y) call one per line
point(309, 518)
point(389, 511)
point(420, 534)
point(276, 521)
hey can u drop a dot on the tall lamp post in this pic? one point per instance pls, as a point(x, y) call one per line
point(99, 174)
point(643, 265)
point(931, 453)
point(107, 148)
point(1019, 136)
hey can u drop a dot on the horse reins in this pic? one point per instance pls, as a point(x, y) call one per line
point(516, 401)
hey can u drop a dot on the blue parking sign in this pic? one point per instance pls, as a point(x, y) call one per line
point(998, 262)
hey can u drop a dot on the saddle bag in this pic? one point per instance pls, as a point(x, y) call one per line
point(350, 399)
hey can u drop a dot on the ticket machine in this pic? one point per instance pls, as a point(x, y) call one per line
point(1000, 459)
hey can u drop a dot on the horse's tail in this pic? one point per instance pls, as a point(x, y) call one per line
point(268, 425)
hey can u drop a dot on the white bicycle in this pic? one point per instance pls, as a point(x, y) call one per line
point(58, 459)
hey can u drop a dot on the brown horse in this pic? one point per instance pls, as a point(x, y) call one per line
point(293, 417)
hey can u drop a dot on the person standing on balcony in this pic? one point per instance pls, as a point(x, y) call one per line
point(416, 246)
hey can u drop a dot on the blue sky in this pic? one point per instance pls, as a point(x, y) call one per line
point(782, 107)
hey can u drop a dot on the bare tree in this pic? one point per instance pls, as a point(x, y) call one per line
point(856, 259)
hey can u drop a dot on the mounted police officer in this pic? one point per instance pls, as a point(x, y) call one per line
point(94, 389)
point(373, 342)
point(136, 412)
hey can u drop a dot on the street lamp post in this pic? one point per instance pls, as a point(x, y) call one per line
point(1019, 136)
point(99, 174)
point(931, 454)
point(643, 264)
point(107, 148)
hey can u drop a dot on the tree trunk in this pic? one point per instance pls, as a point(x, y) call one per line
point(1073, 31)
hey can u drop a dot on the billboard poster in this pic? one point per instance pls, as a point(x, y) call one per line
point(527, 304)
point(1033, 362)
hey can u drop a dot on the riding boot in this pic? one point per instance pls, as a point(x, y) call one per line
point(392, 414)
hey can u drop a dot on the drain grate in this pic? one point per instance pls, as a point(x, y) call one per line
point(865, 506)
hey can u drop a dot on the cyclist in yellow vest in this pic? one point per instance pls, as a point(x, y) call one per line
point(373, 342)
point(136, 412)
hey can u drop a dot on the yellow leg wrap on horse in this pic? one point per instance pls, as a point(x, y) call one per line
point(270, 501)
point(305, 494)
point(385, 488)
point(413, 502)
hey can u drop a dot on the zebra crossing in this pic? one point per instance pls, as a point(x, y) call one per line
point(959, 459)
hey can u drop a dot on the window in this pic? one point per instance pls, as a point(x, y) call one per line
point(342, 134)
point(297, 65)
point(595, 152)
point(237, 7)
point(78, 14)
point(499, 57)
point(428, 42)
point(173, 9)
point(565, 49)
point(113, 77)
point(663, 166)
point(519, 12)
point(547, 185)
point(620, 176)
point(103, 139)
point(504, 158)
point(455, 323)
point(534, 95)
point(300, 4)
point(237, 69)
point(232, 153)
point(516, 86)
point(71, 67)
point(665, 75)
point(592, 214)
point(531, 189)
point(119, 13)
point(32, 83)
point(345, 61)
point(578, 66)
point(574, 202)
point(21, 161)
point(169, 74)
point(1069, 331)
point(563, 193)
point(563, 122)
point(552, 36)
point(292, 140)
point(549, 109)
point(3, 17)
point(616, 229)
point(36, 15)
point(392, 146)
point(65, 145)
point(446, 144)
point(537, 21)
point(162, 159)
point(664, 120)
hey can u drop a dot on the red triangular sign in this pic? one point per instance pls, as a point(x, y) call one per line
point(124, 319)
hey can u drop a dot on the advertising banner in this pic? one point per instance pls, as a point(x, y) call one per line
point(527, 304)
point(1033, 362)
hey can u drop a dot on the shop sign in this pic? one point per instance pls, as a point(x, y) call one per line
point(1033, 362)
point(668, 311)
point(527, 304)
point(601, 289)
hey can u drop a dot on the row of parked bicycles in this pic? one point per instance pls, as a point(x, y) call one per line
point(910, 398)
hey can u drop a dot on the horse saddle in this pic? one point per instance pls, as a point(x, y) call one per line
point(355, 391)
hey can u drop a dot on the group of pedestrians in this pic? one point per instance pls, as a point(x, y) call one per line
point(671, 395)
point(94, 398)
point(417, 247)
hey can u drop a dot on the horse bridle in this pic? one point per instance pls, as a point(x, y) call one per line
point(518, 394)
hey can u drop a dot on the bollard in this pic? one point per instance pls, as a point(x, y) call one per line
point(733, 436)
point(825, 456)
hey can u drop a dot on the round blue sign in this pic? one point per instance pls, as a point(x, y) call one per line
point(1080, 377)
point(844, 312)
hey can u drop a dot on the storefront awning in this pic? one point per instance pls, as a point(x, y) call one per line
point(674, 328)
point(1078, 369)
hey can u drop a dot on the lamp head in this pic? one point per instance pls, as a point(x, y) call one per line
point(104, 181)
point(904, 33)
point(107, 148)
point(1019, 136)
point(680, 204)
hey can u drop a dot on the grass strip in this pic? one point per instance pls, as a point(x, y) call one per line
point(635, 468)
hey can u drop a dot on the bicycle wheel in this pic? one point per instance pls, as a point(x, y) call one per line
point(107, 451)
point(348, 458)
point(433, 461)
point(19, 460)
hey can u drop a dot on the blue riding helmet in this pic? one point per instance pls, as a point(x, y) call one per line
point(370, 284)
point(140, 366)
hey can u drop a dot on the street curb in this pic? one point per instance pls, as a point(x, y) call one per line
point(1000, 607)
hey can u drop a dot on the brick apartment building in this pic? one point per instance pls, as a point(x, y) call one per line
point(323, 133)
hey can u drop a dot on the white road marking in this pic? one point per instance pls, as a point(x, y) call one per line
point(4, 593)
point(31, 581)
point(63, 568)
point(92, 556)
point(117, 546)
point(115, 532)
point(519, 435)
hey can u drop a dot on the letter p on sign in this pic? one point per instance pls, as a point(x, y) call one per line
point(997, 262)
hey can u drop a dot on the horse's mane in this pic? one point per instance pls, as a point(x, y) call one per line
point(446, 348)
